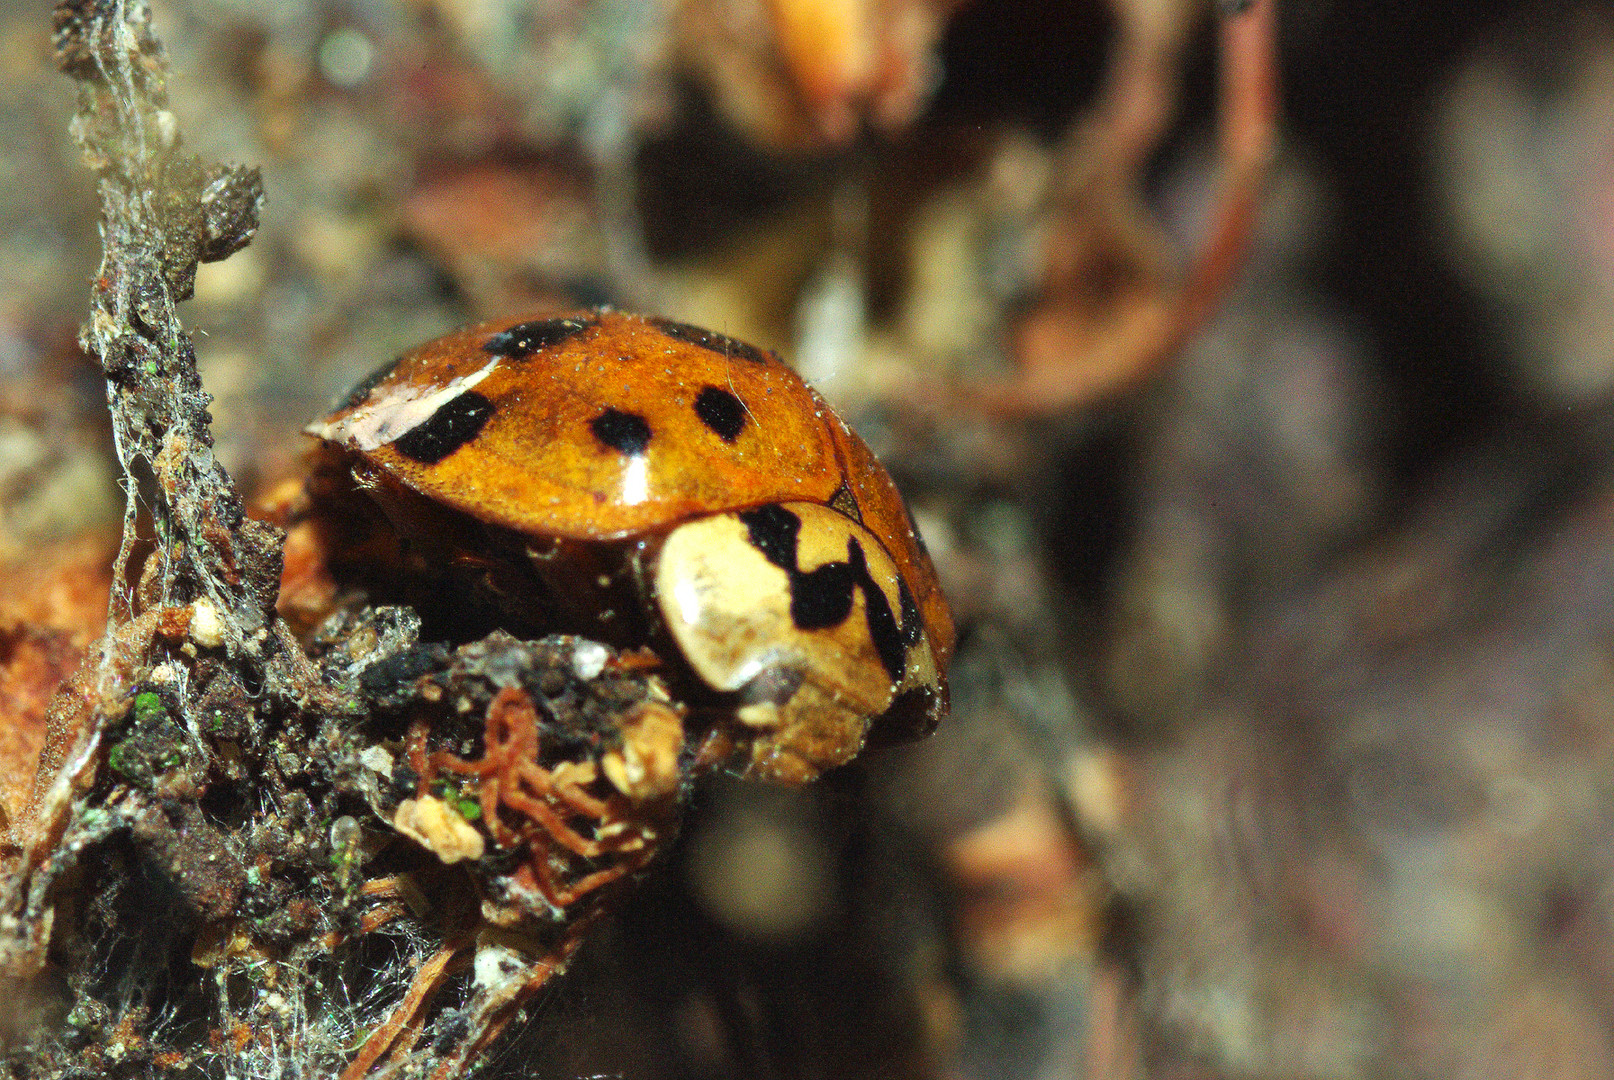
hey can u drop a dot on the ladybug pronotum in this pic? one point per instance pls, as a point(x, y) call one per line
point(651, 483)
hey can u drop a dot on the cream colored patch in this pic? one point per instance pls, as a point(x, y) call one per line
point(401, 409)
point(728, 608)
point(207, 627)
point(646, 764)
point(760, 714)
point(435, 826)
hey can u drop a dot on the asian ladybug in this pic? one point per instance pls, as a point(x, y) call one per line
point(660, 485)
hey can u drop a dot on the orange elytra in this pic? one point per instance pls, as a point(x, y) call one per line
point(758, 533)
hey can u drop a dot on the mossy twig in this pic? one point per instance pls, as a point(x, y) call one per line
point(163, 211)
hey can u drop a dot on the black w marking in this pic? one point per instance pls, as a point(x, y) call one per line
point(524, 339)
point(454, 424)
point(822, 597)
point(710, 339)
point(910, 614)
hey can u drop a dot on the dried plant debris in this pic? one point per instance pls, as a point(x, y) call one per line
point(241, 858)
point(163, 213)
point(1113, 306)
point(334, 919)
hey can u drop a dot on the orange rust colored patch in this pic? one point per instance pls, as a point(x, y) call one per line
point(51, 607)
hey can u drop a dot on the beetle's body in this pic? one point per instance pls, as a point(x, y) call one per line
point(612, 458)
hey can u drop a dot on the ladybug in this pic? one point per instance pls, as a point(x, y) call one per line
point(654, 484)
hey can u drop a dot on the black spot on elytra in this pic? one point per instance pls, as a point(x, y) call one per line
point(524, 339)
point(710, 339)
point(454, 424)
point(822, 597)
point(622, 431)
point(722, 412)
point(361, 393)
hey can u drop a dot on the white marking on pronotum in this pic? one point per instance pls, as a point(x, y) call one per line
point(396, 413)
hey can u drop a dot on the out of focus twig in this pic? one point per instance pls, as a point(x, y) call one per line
point(1114, 308)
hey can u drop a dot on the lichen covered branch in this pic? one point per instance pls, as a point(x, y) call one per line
point(164, 211)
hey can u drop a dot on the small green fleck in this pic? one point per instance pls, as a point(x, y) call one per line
point(122, 758)
point(150, 367)
point(469, 809)
point(148, 706)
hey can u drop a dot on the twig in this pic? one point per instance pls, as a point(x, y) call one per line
point(1112, 314)
point(213, 573)
point(162, 212)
